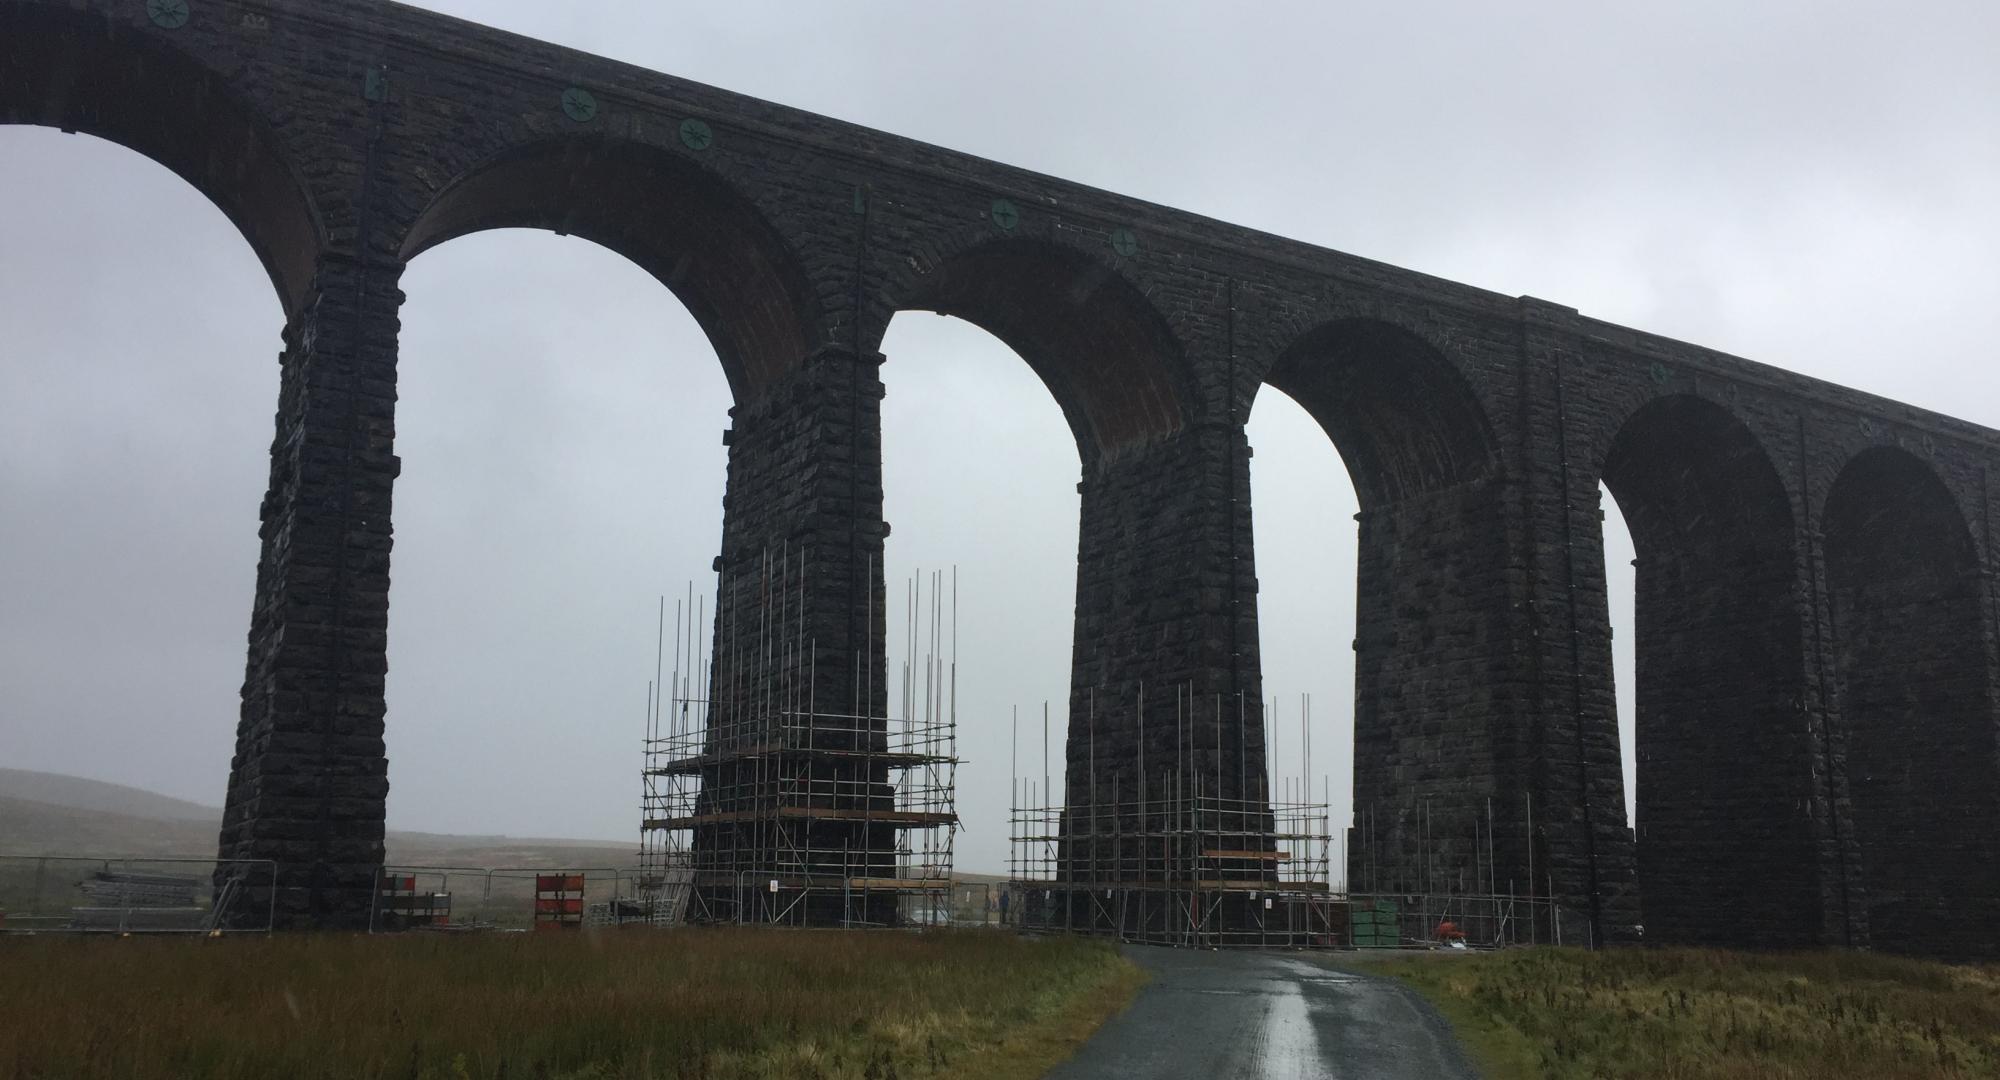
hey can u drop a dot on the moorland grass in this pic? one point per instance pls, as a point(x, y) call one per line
point(1682, 1014)
point(719, 1003)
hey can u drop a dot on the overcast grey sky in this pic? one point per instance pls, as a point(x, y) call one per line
point(1808, 184)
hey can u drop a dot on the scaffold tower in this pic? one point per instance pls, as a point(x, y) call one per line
point(762, 806)
point(1185, 856)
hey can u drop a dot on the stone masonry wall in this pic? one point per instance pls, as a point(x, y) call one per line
point(1905, 598)
point(310, 777)
point(799, 572)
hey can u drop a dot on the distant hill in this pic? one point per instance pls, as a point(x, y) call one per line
point(28, 827)
point(52, 814)
point(77, 793)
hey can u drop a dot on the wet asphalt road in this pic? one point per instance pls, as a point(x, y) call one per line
point(1267, 1015)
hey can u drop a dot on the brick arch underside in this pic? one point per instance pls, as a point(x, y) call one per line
point(1105, 353)
point(1725, 845)
point(80, 71)
point(1431, 597)
point(681, 224)
point(1915, 701)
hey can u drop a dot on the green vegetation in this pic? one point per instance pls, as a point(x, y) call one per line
point(1688, 1013)
point(693, 1003)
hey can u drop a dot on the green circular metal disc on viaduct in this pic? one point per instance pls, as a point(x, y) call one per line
point(1817, 617)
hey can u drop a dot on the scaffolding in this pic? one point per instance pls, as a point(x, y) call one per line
point(762, 806)
point(1174, 856)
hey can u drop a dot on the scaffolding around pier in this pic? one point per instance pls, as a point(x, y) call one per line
point(760, 804)
point(1194, 854)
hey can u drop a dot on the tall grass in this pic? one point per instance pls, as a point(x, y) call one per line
point(1697, 1013)
point(712, 1003)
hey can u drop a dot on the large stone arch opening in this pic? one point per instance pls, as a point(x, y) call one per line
point(1306, 555)
point(802, 493)
point(1914, 677)
point(1725, 834)
point(679, 222)
point(1620, 589)
point(93, 73)
point(1116, 369)
point(1421, 453)
point(83, 71)
point(558, 422)
point(979, 478)
point(136, 390)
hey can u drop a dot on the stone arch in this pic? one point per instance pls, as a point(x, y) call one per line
point(1405, 421)
point(1725, 769)
point(1103, 349)
point(1904, 589)
point(1430, 560)
point(683, 224)
point(84, 71)
point(1115, 367)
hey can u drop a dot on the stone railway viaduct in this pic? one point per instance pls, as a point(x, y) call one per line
point(1816, 591)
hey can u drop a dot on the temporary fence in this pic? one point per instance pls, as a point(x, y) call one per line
point(80, 894)
point(1455, 920)
point(1217, 918)
point(976, 903)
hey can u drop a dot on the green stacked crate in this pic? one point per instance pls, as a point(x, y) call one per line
point(1376, 927)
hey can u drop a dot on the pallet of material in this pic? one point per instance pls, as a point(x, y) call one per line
point(115, 889)
point(109, 919)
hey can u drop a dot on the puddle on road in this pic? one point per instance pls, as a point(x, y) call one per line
point(1289, 1046)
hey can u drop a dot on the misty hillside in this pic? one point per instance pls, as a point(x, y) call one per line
point(77, 793)
point(52, 814)
point(28, 827)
